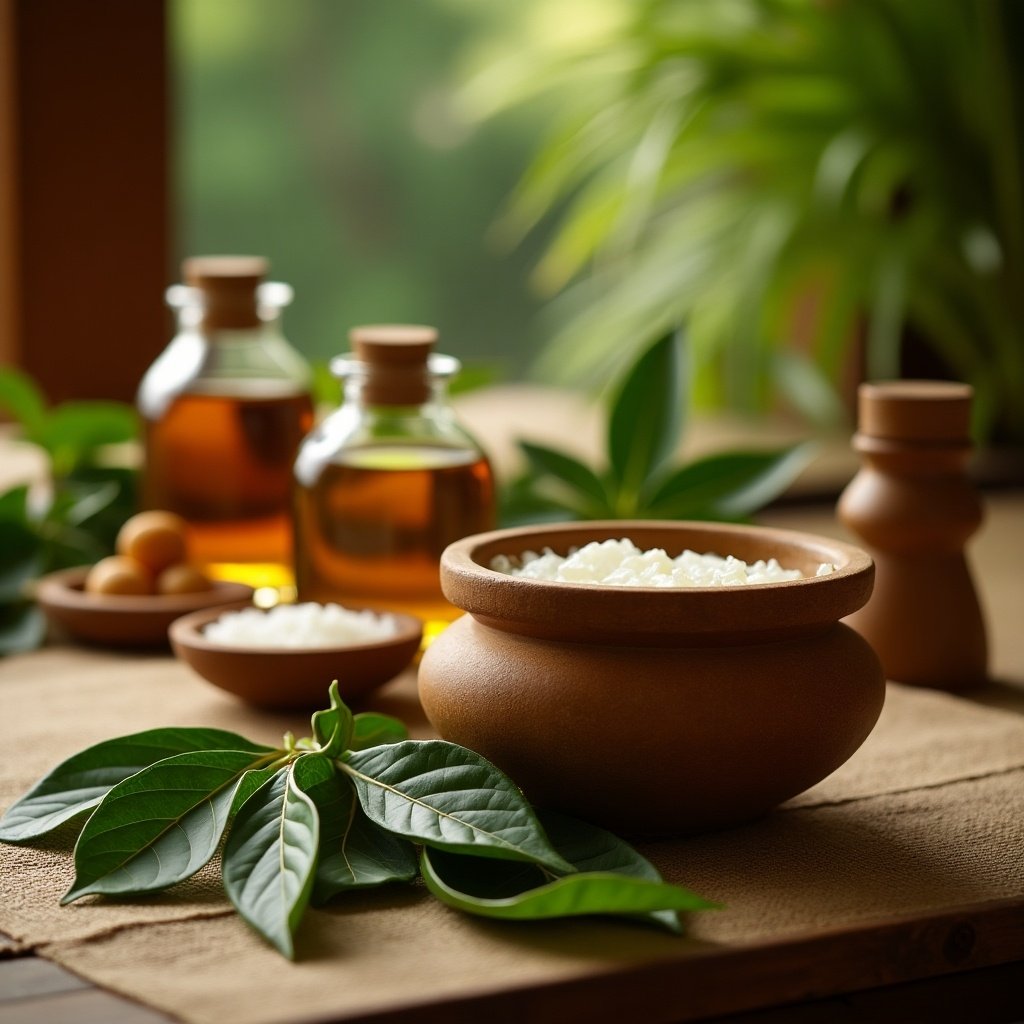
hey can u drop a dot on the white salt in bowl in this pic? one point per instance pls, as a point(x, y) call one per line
point(293, 677)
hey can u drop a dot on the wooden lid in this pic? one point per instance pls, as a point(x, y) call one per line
point(396, 358)
point(915, 410)
point(228, 285)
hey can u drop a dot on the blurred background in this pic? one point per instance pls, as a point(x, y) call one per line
point(819, 191)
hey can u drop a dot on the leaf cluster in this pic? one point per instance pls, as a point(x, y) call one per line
point(345, 809)
point(641, 480)
point(75, 518)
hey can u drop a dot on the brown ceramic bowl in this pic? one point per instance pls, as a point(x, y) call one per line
point(294, 678)
point(117, 620)
point(656, 711)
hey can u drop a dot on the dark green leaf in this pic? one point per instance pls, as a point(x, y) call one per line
point(354, 852)
point(526, 893)
point(444, 795)
point(22, 627)
point(14, 504)
point(23, 400)
point(270, 854)
point(729, 485)
point(589, 495)
point(161, 825)
point(371, 729)
point(646, 419)
point(250, 782)
point(332, 728)
point(21, 559)
point(592, 849)
point(80, 782)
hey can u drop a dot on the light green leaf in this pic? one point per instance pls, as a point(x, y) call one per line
point(161, 825)
point(354, 852)
point(79, 783)
point(646, 419)
point(271, 852)
point(371, 729)
point(444, 795)
point(74, 430)
point(23, 400)
point(332, 728)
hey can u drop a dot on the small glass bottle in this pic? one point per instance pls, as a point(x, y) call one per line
point(915, 508)
point(224, 409)
point(386, 482)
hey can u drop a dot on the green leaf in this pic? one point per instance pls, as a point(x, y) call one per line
point(729, 485)
point(14, 504)
point(161, 825)
point(73, 431)
point(23, 400)
point(22, 627)
point(444, 795)
point(270, 854)
point(592, 849)
point(371, 729)
point(80, 782)
point(646, 419)
point(332, 728)
point(512, 891)
point(354, 852)
point(588, 497)
point(21, 559)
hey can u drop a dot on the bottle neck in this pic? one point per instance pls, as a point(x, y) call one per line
point(420, 394)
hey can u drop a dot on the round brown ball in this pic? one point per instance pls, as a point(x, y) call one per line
point(156, 539)
point(118, 575)
point(181, 579)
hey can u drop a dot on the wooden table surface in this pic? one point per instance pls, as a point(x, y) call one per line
point(32, 989)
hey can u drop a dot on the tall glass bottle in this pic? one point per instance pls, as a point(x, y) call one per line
point(224, 408)
point(386, 482)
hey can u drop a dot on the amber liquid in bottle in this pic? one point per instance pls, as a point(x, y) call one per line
point(223, 461)
point(373, 525)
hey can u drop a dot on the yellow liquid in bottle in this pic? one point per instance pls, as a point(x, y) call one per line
point(224, 463)
point(372, 528)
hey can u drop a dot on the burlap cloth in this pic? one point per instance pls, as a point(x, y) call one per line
point(928, 815)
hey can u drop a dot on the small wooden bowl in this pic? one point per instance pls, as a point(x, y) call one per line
point(120, 620)
point(293, 678)
point(656, 711)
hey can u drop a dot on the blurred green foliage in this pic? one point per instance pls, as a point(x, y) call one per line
point(640, 479)
point(74, 518)
point(807, 185)
point(327, 136)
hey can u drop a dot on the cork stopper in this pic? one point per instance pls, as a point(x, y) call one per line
point(915, 411)
point(228, 285)
point(396, 359)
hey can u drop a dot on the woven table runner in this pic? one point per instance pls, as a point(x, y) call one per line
point(927, 816)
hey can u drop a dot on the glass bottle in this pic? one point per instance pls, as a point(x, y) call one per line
point(224, 408)
point(386, 482)
point(915, 508)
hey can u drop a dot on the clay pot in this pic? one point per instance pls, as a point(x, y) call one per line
point(656, 711)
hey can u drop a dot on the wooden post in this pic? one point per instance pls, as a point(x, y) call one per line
point(84, 197)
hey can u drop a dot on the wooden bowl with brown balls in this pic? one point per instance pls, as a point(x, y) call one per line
point(656, 711)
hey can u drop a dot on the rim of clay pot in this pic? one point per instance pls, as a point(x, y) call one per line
point(658, 616)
